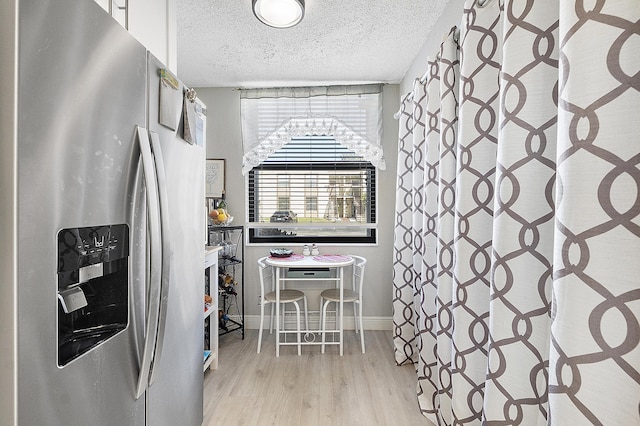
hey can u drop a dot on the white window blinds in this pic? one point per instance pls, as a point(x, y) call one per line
point(312, 189)
point(352, 115)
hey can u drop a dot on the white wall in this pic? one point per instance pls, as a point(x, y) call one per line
point(451, 16)
point(224, 140)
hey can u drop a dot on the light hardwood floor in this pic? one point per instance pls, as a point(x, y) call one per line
point(312, 389)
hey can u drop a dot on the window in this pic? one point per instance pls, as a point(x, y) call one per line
point(283, 203)
point(310, 204)
point(313, 189)
point(311, 155)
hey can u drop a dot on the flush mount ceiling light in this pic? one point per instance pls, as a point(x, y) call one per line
point(279, 13)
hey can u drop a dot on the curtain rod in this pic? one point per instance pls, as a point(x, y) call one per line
point(405, 98)
point(423, 79)
point(456, 38)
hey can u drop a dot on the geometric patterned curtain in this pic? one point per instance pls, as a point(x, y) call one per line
point(443, 328)
point(403, 281)
point(595, 331)
point(517, 239)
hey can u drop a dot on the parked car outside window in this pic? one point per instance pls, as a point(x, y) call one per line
point(284, 216)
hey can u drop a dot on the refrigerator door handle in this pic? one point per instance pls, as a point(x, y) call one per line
point(155, 256)
point(166, 249)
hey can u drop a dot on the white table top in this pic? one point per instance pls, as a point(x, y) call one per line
point(309, 262)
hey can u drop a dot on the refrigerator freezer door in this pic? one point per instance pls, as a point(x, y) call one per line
point(81, 93)
point(178, 372)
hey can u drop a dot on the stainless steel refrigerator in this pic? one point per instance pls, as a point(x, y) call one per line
point(102, 230)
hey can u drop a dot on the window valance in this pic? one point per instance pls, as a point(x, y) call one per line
point(350, 114)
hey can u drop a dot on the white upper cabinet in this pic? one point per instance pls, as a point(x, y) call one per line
point(104, 4)
point(152, 22)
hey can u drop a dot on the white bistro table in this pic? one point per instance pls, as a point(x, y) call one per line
point(337, 262)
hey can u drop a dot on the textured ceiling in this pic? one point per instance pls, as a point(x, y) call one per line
point(222, 44)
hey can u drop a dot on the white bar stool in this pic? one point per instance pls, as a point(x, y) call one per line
point(353, 295)
point(286, 296)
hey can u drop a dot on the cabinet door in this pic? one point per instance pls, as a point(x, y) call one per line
point(117, 8)
point(151, 22)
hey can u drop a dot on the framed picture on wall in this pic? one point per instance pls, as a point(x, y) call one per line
point(214, 178)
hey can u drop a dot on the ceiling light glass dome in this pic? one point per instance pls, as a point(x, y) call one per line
point(279, 13)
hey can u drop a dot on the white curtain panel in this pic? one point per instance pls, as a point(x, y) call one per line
point(403, 280)
point(516, 388)
point(419, 101)
point(449, 78)
point(427, 366)
point(523, 299)
point(595, 352)
point(480, 62)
